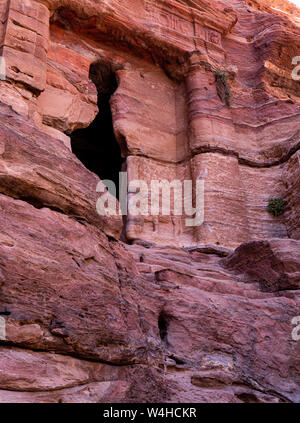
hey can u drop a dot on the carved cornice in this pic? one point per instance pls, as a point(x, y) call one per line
point(172, 26)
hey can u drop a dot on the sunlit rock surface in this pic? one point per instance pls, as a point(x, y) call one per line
point(111, 309)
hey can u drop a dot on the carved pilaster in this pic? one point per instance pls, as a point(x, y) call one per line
point(24, 43)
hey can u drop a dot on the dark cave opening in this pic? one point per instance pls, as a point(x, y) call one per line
point(163, 323)
point(96, 146)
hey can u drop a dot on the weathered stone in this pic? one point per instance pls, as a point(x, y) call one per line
point(172, 313)
point(274, 264)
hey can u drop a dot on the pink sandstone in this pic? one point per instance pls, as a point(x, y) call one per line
point(105, 309)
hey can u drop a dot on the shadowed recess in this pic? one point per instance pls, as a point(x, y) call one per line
point(96, 146)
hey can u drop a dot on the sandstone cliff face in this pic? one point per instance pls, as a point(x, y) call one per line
point(164, 312)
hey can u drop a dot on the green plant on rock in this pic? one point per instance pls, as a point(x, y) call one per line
point(223, 87)
point(276, 206)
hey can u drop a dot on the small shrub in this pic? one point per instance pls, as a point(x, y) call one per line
point(223, 87)
point(276, 206)
point(221, 76)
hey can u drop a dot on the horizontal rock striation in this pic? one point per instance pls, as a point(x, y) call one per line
point(145, 308)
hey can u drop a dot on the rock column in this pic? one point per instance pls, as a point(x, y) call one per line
point(225, 222)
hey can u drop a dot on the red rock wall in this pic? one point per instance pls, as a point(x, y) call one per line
point(178, 315)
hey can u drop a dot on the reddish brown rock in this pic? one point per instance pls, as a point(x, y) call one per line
point(274, 264)
point(43, 172)
point(171, 313)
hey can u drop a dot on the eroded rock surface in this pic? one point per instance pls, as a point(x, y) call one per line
point(163, 312)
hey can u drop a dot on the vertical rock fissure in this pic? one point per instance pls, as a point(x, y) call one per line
point(163, 323)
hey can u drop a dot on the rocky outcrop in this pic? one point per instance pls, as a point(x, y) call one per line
point(125, 309)
point(274, 264)
point(41, 171)
point(123, 315)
